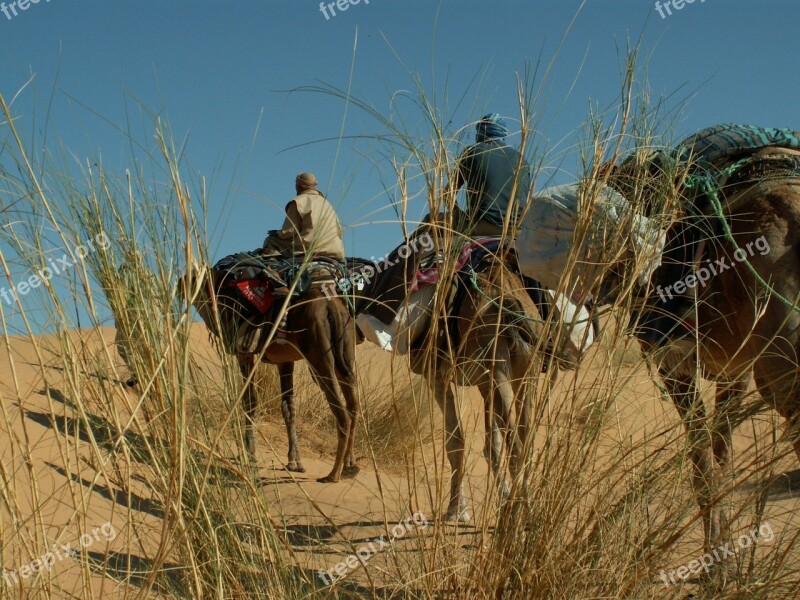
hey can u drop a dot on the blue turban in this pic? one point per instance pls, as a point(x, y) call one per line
point(491, 126)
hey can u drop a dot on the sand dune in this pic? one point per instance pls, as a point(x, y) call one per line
point(54, 491)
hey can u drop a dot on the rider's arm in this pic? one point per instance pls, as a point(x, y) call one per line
point(293, 224)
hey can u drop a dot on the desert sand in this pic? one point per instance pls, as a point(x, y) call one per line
point(60, 495)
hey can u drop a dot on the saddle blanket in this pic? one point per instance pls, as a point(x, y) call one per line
point(723, 143)
point(471, 253)
point(258, 279)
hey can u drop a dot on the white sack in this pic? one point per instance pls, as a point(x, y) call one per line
point(411, 320)
point(548, 229)
point(575, 331)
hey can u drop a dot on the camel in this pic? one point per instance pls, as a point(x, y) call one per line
point(484, 339)
point(746, 318)
point(318, 329)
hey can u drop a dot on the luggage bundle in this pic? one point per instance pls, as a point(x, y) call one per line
point(546, 251)
point(546, 243)
point(252, 279)
point(250, 289)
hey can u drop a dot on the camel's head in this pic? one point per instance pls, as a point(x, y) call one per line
point(197, 287)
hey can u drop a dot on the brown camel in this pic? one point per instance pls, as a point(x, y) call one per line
point(318, 329)
point(745, 318)
point(488, 337)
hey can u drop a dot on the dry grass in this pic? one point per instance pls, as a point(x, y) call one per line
point(601, 505)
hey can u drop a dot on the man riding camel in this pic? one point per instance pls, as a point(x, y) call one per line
point(498, 180)
point(311, 227)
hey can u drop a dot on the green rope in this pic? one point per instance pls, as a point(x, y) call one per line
point(709, 187)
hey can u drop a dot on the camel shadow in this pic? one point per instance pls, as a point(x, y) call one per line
point(136, 570)
point(176, 581)
point(130, 500)
point(785, 486)
point(142, 447)
point(303, 535)
point(96, 429)
point(266, 480)
point(83, 372)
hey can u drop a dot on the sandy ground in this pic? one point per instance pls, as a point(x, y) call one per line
point(45, 464)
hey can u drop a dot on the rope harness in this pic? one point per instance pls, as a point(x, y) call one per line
point(707, 185)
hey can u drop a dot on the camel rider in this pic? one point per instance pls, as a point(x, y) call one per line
point(311, 227)
point(497, 178)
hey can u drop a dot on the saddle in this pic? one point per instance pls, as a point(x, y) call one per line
point(259, 279)
point(251, 288)
point(764, 165)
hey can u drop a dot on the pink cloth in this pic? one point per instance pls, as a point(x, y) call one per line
point(431, 274)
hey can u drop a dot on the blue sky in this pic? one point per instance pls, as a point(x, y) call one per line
point(218, 73)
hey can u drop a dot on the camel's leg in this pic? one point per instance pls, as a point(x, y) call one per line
point(524, 394)
point(728, 402)
point(793, 430)
point(349, 389)
point(683, 390)
point(286, 375)
point(498, 394)
point(523, 398)
point(454, 445)
point(327, 383)
point(777, 384)
point(343, 332)
point(250, 401)
point(493, 445)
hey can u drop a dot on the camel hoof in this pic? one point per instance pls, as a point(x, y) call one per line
point(350, 472)
point(296, 467)
point(329, 479)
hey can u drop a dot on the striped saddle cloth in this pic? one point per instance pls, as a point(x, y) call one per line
point(259, 279)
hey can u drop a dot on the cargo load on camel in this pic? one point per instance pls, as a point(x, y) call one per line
point(254, 288)
point(569, 253)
